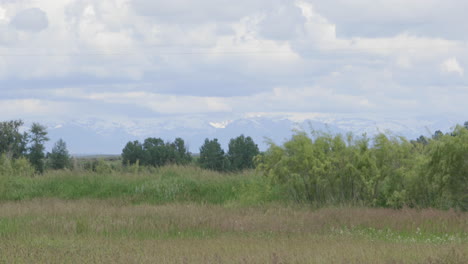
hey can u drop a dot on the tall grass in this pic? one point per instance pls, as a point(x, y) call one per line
point(157, 185)
point(96, 231)
point(189, 215)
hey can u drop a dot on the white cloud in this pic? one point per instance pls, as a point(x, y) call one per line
point(210, 56)
point(452, 66)
point(386, 18)
point(3, 15)
point(166, 104)
point(18, 108)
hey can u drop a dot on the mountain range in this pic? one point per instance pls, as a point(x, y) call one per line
point(100, 136)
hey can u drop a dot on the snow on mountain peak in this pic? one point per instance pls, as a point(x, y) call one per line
point(223, 124)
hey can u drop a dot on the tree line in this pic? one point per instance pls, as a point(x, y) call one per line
point(27, 148)
point(155, 152)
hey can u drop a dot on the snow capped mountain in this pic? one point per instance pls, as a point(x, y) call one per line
point(223, 124)
point(98, 136)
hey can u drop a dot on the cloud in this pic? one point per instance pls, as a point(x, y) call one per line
point(386, 18)
point(3, 15)
point(452, 66)
point(282, 22)
point(165, 104)
point(30, 20)
point(15, 108)
point(209, 57)
point(206, 11)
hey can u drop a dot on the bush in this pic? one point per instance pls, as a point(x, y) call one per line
point(387, 171)
point(17, 167)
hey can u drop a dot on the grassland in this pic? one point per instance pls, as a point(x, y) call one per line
point(187, 215)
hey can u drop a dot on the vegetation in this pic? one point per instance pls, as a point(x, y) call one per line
point(12, 142)
point(240, 155)
point(212, 156)
point(319, 169)
point(112, 231)
point(304, 199)
point(139, 185)
point(386, 171)
point(155, 152)
point(38, 136)
point(242, 151)
point(16, 146)
point(59, 158)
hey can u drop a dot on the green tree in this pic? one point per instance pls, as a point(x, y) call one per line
point(59, 158)
point(327, 169)
point(241, 152)
point(156, 151)
point(38, 136)
point(299, 166)
point(12, 142)
point(179, 152)
point(212, 156)
point(133, 152)
point(447, 170)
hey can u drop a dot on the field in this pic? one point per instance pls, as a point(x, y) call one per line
point(187, 215)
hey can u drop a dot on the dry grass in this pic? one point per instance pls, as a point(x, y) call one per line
point(224, 249)
point(91, 231)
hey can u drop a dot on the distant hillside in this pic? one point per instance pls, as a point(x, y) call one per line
point(93, 137)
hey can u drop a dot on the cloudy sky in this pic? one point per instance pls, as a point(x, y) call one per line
point(136, 59)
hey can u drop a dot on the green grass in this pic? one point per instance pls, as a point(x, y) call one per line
point(96, 231)
point(189, 215)
point(163, 185)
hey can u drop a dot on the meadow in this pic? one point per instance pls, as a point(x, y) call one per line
point(189, 215)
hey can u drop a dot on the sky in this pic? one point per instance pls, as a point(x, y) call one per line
point(136, 59)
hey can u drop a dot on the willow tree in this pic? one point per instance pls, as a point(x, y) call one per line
point(447, 171)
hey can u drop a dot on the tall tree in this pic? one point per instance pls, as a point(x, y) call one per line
point(134, 152)
point(59, 158)
point(241, 152)
point(157, 151)
point(212, 156)
point(12, 141)
point(447, 170)
point(181, 155)
point(38, 136)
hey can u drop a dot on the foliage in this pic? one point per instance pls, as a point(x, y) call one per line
point(59, 158)
point(38, 136)
point(150, 185)
point(16, 145)
point(212, 156)
point(385, 171)
point(241, 152)
point(12, 141)
point(178, 152)
point(20, 167)
point(155, 152)
point(133, 152)
point(447, 170)
point(318, 168)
